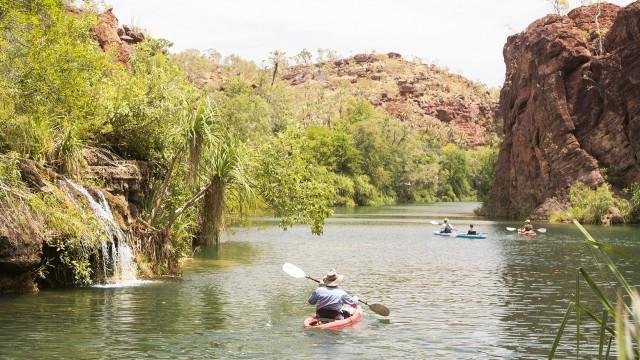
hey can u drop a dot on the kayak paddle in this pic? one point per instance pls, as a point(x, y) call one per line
point(540, 230)
point(297, 273)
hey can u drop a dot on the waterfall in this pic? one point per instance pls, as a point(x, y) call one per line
point(117, 255)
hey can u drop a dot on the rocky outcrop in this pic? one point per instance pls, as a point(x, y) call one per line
point(126, 181)
point(571, 109)
point(24, 246)
point(20, 254)
point(422, 95)
point(112, 37)
point(20, 239)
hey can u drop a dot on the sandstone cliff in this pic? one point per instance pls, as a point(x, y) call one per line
point(571, 109)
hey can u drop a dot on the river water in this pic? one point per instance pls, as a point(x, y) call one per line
point(450, 298)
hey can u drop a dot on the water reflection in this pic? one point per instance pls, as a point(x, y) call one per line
point(450, 298)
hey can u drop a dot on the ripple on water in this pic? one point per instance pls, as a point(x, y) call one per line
point(450, 298)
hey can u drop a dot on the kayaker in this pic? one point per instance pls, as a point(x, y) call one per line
point(471, 230)
point(329, 298)
point(527, 227)
point(446, 227)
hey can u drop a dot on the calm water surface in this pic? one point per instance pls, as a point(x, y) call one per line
point(450, 298)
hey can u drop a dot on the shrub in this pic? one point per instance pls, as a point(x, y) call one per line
point(592, 206)
point(634, 202)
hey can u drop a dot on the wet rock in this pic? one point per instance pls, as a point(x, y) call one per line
point(569, 112)
point(20, 249)
point(127, 179)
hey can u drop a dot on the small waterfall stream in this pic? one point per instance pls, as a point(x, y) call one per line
point(118, 263)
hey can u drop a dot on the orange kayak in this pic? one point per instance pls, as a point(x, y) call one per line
point(527, 233)
point(312, 322)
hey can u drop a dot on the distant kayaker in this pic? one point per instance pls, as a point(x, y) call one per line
point(446, 227)
point(329, 298)
point(471, 230)
point(527, 227)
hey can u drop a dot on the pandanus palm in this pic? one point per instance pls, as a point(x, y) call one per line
point(220, 161)
point(218, 173)
point(225, 165)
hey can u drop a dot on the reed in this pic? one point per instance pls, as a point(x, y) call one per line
point(627, 318)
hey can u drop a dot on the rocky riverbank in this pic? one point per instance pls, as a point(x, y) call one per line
point(571, 109)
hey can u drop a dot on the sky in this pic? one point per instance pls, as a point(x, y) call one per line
point(465, 36)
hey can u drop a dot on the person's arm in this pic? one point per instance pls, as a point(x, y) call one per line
point(351, 300)
point(313, 299)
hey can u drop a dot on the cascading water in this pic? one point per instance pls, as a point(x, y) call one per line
point(117, 255)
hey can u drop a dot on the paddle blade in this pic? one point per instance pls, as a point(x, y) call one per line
point(379, 309)
point(434, 222)
point(293, 270)
point(542, 230)
point(511, 229)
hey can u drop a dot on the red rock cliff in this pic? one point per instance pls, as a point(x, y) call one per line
point(571, 109)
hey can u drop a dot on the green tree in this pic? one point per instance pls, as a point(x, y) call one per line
point(560, 7)
point(304, 57)
point(227, 169)
point(291, 184)
point(53, 75)
point(454, 170)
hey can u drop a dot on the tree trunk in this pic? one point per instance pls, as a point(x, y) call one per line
point(212, 218)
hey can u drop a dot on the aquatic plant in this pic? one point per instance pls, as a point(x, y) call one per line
point(627, 318)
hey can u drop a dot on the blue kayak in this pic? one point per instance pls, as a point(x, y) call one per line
point(442, 234)
point(467, 236)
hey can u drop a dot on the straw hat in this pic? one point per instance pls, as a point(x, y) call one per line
point(528, 221)
point(332, 278)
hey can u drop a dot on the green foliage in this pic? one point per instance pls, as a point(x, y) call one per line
point(290, 182)
point(53, 69)
point(74, 233)
point(482, 164)
point(250, 113)
point(454, 170)
point(634, 202)
point(345, 190)
point(355, 110)
point(591, 206)
point(365, 194)
point(203, 123)
point(601, 205)
point(146, 104)
point(334, 149)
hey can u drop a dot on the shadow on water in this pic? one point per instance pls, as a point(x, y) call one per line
point(226, 255)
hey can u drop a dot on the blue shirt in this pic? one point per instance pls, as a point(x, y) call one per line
point(330, 297)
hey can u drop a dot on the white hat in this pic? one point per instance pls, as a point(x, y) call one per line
point(332, 278)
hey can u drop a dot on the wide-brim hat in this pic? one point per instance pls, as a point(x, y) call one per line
point(332, 278)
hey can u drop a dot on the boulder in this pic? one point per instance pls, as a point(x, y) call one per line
point(108, 36)
point(569, 111)
point(364, 58)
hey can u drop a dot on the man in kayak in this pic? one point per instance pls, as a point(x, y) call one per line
point(446, 227)
point(471, 230)
point(527, 227)
point(329, 298)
